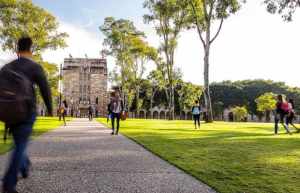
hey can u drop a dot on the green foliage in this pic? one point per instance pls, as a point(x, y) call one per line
point(132, 53)
point(266, 102)
point(230, 157)
point(244, 93)
point(188, 94)
point(240, 113)
point(20, 18)
point(286, 8)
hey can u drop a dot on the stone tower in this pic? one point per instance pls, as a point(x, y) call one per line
point(85, 84)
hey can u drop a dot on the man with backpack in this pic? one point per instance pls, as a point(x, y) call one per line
point(17, 98)
point(281, 112)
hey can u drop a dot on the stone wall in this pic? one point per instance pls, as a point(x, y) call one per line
point(85, 84)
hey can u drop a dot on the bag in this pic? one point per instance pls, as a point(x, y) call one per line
point(285, 107)
point(124, 116)
point(62, 110)
point(15, 97)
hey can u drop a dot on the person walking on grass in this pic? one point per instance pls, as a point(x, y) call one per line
point(116, 108)
point(24, 67)
point(291, 114)
point(196, 110)
point(281, 112)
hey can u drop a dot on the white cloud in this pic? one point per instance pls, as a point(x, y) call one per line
point(80, 42)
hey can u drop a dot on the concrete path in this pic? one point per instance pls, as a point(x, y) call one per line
point(84, 158)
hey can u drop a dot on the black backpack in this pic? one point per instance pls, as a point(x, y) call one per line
point(16, 96)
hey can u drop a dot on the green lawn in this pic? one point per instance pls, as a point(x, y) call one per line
point(41, 126)
point(230, 157)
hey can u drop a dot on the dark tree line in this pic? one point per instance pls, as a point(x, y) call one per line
point(228, 94)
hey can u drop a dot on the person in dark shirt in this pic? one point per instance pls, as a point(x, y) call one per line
point(281, 114)
point(21, 132)
point(91, 112)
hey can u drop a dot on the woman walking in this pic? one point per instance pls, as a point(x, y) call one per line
point(196, 110)
point(116, 109)
point(282, 110)
point(291, 115)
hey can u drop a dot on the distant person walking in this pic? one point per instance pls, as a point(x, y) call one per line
point(291, 114)
point(281, 112)
point(116, 107)
point(63, 112)
point(34, 74)
point(91, 112)
point(196, 110)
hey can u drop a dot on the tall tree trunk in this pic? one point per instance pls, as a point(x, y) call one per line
point(137, 112)
point(208, 105)
point(151, 106)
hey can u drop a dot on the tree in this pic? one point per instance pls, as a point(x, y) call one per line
point(203, 14)
point(142, 53)
point(119, 34)
point(286, 8)
point(266, 103)
point(22, 18)
point(188, 93)
point(240, 113)
point(156, 84)
point(168, 16)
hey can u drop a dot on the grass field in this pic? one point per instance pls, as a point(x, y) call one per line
point(230, 157)
point(41, 126)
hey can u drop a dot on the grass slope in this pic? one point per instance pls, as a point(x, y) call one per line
point(230, 157)
point(42, 125)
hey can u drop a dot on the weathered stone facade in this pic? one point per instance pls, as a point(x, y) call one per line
point(84, 84)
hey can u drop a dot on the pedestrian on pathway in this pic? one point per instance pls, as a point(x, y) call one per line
point(196, 110)
point(116, 107)
point(291, 115)
point(21, 131)
point(91, 112)
point(63, 112)
point(281, 112)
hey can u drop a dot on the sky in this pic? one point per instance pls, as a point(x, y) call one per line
point(253, 44)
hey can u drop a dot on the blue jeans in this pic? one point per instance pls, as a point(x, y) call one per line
point(116, 116)
point(19, 160)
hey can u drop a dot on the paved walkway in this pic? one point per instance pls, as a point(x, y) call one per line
point(84, 158)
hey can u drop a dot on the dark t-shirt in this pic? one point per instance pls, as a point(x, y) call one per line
point(35, 73)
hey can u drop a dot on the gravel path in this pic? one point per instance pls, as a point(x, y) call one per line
point(84, 158)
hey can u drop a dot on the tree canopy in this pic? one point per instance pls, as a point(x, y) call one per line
point(286, 8)
point(20, 18)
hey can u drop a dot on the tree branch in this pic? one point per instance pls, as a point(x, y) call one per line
point(197, 23)
point(218, 32)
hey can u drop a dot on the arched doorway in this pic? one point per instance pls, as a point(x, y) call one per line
point(155, 115)
point(162, 115)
